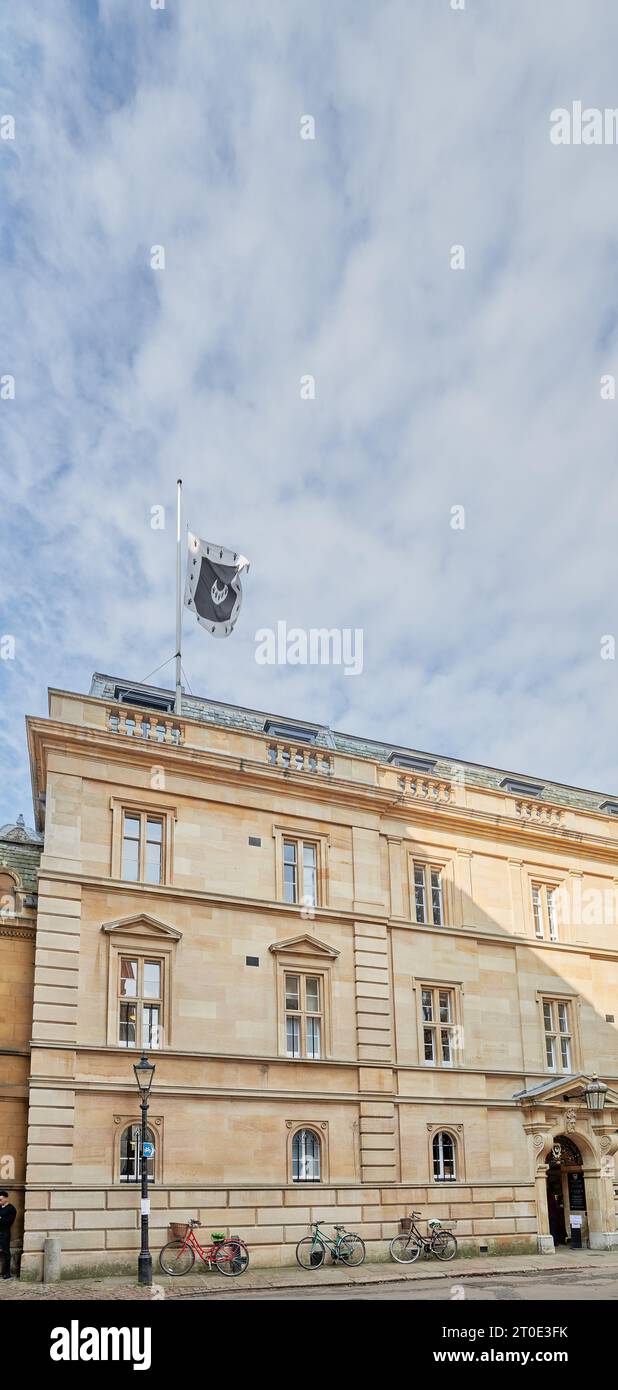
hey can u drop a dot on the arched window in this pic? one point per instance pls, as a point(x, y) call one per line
point(130, 1154)
point(444, 1157)
point(7, 895)
point(306, 1156)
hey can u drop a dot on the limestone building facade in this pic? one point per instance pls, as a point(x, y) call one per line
point(370, 980)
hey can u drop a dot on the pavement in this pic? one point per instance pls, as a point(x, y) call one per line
point(567, 1270)
point(535, 1286)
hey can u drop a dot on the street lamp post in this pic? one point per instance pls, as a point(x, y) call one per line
point(144, 1072)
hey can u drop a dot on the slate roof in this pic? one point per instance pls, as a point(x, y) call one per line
point(20, 849)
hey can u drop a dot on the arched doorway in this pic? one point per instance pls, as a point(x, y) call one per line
point(557, 1113)
point(566, 1188)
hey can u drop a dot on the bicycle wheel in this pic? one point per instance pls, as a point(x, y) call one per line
point(444, 1245)
point(232, 1257)
point(352, 1251)
point(310, 1253)
point(405, 1249)
point(176, 1257)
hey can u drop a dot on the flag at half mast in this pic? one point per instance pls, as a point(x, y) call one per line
point(213, 590)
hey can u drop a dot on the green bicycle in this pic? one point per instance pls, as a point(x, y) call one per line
point(346, 1246)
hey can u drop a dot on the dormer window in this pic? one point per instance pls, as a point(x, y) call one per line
point(294, 732)
point(412, 762)
point(521, 788)
point(145, 699)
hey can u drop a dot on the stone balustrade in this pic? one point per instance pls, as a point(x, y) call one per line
point(539, 813)
point(293, 758)
point(425, 788)
point(156, 728)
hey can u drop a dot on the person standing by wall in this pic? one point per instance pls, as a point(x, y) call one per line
point(7, 1217)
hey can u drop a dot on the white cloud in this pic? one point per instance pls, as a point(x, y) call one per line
point(329, 257)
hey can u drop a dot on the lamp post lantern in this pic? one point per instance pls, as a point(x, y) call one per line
point(144, 1072)
point(595, 1093)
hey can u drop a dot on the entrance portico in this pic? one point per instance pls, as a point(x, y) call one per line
point(572, 1149)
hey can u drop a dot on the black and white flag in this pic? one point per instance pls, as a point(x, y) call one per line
point(213, 590)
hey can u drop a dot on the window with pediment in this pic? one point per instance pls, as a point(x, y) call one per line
point(140, 982)
point(303, 980)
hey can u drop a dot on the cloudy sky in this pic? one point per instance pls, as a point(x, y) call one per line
point(434, 387)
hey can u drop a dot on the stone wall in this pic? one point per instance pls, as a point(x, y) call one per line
point(100, 1227)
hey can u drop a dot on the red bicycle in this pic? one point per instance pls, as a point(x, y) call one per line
point(227, 1253)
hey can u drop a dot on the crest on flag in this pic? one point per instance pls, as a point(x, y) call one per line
point(213, 590)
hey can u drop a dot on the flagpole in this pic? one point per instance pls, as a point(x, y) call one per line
point(177, 705)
